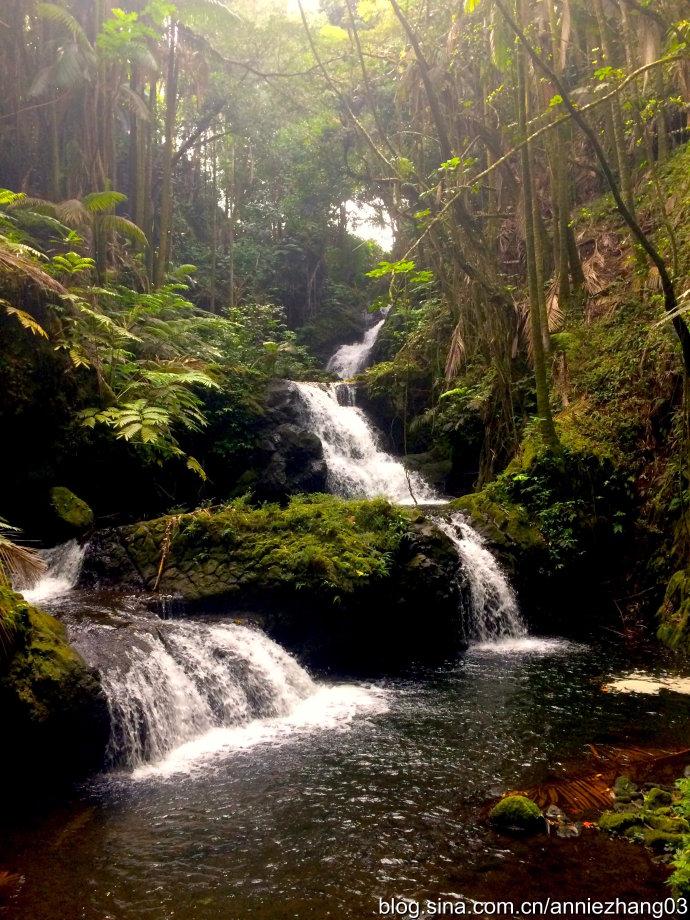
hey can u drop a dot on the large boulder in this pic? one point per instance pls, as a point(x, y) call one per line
point(350, 585)
point(53, 708)
point(72, 516)
point(291, 461)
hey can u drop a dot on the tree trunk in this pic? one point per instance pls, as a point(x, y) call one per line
point(165, 221)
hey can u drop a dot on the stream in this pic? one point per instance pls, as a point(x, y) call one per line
point(240, 786)
point(323, 797)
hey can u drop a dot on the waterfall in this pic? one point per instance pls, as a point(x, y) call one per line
point(190, 677)
point(357, 467)
point(493, 609)
point(181, 690)
point(64, 565)
point(189, 689)
point(349, 360)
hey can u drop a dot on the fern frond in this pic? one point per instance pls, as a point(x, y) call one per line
point(27, 321)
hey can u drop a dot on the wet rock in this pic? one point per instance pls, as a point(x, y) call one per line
point(291, 461)
point(107, 561)
point(517, 814)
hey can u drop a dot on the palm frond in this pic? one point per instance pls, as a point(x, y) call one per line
point(134, 102)
point(126, 227)
point(59, 14)
point(102, 201)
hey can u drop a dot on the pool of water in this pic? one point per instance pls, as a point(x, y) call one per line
point(322, 818)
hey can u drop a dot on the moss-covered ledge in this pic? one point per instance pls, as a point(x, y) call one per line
point(351, 584)
point(55, 716)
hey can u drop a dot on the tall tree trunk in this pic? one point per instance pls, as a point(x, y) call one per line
point(546, 425)
point(624, 175)
point(165, 221)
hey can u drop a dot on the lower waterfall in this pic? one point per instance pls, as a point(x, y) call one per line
point(180, 691)
point(188, 679)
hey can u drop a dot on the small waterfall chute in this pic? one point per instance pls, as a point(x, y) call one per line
point(349, 360)
point(64, 564)
point(356, 464)
point(493, 613)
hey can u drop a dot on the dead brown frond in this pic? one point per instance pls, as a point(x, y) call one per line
point(554, 311)
point(456, 352)
point(19, 563)
point(8, 880)
point(73, 213)
point(653, 280)
point(15, 262)
point(593, 791)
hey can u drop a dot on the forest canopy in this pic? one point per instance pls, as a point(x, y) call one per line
point(180, 182)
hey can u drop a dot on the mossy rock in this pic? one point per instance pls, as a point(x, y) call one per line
point(340, 582)
point(620, 822)
point(518, 814)
point(55, 716)
point(70, 509)
point(657, 798)
point(657, 840)
point(625, 790)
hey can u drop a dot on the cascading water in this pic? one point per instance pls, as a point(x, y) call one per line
point(357, 467)
point(493, 613)
point(193, 677)
point(181, 690)
point(349, 360)
point(64, 565)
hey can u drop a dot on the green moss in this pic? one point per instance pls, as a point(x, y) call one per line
point(517, 813)
point(657, 839)
point(619, 822)
point(44, 666)
point(53, 708)
point(657, 798)
point(319, 544)
point(71, 509)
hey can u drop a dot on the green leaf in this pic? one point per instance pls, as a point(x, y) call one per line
point(196, 467)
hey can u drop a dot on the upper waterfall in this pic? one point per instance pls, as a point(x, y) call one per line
point(357, 466)
point(349, 360)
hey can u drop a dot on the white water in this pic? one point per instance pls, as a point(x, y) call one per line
point(493, 616)
point(181, 692)
point(349, 360)
point(64, 565)
point(357, 467)
point(197, 688)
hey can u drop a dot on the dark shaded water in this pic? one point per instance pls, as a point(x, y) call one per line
point(384, 800)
